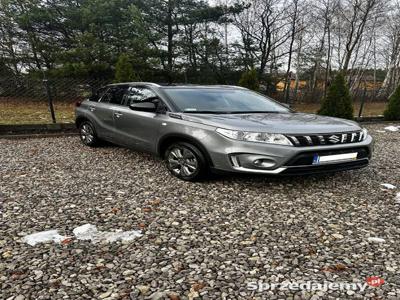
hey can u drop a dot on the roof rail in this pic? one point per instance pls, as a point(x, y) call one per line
point(134, 82)
point(182, 84)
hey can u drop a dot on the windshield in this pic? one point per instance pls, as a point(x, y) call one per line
point(221, 101)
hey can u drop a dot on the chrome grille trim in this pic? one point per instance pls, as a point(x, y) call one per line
point(326, 139)
point(295, 140)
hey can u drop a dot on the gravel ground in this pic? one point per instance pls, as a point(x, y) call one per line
point(204, 240)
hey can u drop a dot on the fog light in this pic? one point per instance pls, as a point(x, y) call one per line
point(264, 163)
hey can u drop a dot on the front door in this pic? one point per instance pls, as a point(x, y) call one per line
point(138, 129)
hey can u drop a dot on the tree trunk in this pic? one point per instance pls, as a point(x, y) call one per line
point(296, 87)
point(293, 35)
point(328, 61)
point(170, 40)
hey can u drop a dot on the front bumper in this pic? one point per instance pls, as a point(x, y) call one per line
point(246, 157)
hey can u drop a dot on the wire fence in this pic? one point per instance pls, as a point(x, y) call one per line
point(28, 100)
point(37, 89)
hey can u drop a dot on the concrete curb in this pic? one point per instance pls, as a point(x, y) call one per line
point(374, 119)
point(35, 129)
point(33, 136)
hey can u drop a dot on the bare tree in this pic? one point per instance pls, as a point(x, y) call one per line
point(294, 27)
point(323, 13)
point(355, 15)
point(264, 28)
point(392, 31)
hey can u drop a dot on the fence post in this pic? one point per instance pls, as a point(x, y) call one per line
point(362, 101)
point(50, 100)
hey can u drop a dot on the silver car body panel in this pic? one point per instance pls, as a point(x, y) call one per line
point(146, 131)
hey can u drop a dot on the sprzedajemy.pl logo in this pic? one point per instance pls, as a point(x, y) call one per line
point(259, 286)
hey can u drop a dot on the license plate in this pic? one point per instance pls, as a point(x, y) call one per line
point(333, 158)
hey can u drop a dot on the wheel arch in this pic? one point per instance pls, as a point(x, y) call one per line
point(79, 120)
point(167, 140)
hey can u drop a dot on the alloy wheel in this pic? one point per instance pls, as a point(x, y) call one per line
point(87, 133)
point(182, 161)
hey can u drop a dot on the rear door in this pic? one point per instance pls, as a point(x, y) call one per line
point(103, 111)
point(139, 129)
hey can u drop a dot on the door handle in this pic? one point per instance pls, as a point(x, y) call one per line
point(118, 114)
point(92, 108)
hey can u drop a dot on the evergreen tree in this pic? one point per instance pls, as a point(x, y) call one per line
point(124, 70)
point(338, 102)
point(249, 80)
point(392, 111)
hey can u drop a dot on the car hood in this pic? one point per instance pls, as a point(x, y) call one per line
point(289, 123)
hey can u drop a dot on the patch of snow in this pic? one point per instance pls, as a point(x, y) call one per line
point(120, 235)
point(43, 237)
point(376, 240)
point(90, 232)
point(392, 128)
point(85, 232)
point(388, 186)
point(397, 198)
point(380, 131)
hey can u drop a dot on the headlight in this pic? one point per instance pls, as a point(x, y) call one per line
point(364, 134)
point(258, 137)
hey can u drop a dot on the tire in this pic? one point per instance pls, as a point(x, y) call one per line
point(88, 134)
point(185, 161)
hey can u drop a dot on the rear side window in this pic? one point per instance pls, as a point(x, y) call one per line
point(138, 94)
point(114, 95)
point(99, 93)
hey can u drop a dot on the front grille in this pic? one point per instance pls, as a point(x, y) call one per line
point(326, 139)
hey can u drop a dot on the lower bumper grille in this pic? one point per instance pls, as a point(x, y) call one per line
point(306, 158)
point(304, 170)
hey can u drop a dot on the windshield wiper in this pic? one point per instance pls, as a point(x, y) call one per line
point(207, 112)
point(255, 112)
point(232, 112)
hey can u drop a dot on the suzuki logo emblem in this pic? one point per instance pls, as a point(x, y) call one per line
point(334, 139)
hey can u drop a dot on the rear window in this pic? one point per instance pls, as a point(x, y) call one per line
point(98, 94)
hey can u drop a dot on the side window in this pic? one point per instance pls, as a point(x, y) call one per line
point(138, 94)
point(114, 95)
point(98, 94)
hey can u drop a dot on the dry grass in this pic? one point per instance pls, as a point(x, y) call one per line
point(370, 108)
point(13, 111)
point(371, 86)
point(25, 111)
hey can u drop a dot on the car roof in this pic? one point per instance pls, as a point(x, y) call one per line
point(195, 86)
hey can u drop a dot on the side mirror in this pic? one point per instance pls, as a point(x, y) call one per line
point(143, 106)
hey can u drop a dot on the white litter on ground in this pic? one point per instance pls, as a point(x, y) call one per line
point(43, 237)
point(388, 186)
point(90, 232)
point(376, 240)
point(392, 128)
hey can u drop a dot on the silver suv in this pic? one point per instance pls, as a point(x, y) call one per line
point(225, 128)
